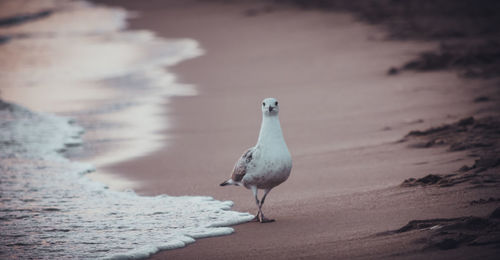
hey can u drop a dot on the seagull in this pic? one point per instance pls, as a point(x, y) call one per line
point(268, 163)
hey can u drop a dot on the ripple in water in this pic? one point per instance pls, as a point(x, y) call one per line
point(51, 210)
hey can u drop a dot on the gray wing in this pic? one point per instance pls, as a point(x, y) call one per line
point(240, 169)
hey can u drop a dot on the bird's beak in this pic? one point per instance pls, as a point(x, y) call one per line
point(271, 108)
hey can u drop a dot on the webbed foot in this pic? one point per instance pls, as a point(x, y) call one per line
point(263, 219)
point(266, 220)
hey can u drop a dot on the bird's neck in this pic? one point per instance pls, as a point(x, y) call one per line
point(270, 131)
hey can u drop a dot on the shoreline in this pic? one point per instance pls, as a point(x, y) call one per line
point(358, 164)
point(60, 87)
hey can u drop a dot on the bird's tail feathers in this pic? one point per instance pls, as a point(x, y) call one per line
point(228, 182)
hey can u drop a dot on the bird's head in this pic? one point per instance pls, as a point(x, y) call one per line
point(270, 106)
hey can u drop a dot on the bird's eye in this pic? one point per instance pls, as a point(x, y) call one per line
point(276, 103)
point(263, 104)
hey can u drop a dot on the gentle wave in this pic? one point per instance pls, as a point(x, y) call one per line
point(50, 210)
point(79, 62)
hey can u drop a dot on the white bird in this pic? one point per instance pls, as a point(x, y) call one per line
point(268, 163)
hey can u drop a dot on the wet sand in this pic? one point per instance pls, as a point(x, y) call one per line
point(342, 118)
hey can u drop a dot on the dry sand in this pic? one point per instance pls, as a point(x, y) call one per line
point(342, 117)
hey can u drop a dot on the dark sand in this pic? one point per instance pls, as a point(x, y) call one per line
point(342, 118)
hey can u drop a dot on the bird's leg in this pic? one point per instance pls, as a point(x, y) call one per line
point(262, 219)
point(257, 217)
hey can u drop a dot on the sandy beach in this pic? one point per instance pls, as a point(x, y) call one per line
point(120, 118)
point(342, 117)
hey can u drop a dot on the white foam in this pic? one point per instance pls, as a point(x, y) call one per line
point(50, 208)
point(117, 78)
point(31, 135)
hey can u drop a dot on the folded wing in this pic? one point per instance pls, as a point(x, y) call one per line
point(240, 169)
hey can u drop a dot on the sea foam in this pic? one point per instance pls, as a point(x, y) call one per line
point(80, 62)
point(50, 209)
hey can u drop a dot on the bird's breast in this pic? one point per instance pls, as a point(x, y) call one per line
point(270, 168)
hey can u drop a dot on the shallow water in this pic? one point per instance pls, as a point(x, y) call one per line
point(51, 210)
point(79, 62)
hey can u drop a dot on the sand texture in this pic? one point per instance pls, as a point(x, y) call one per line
point(346, 123)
